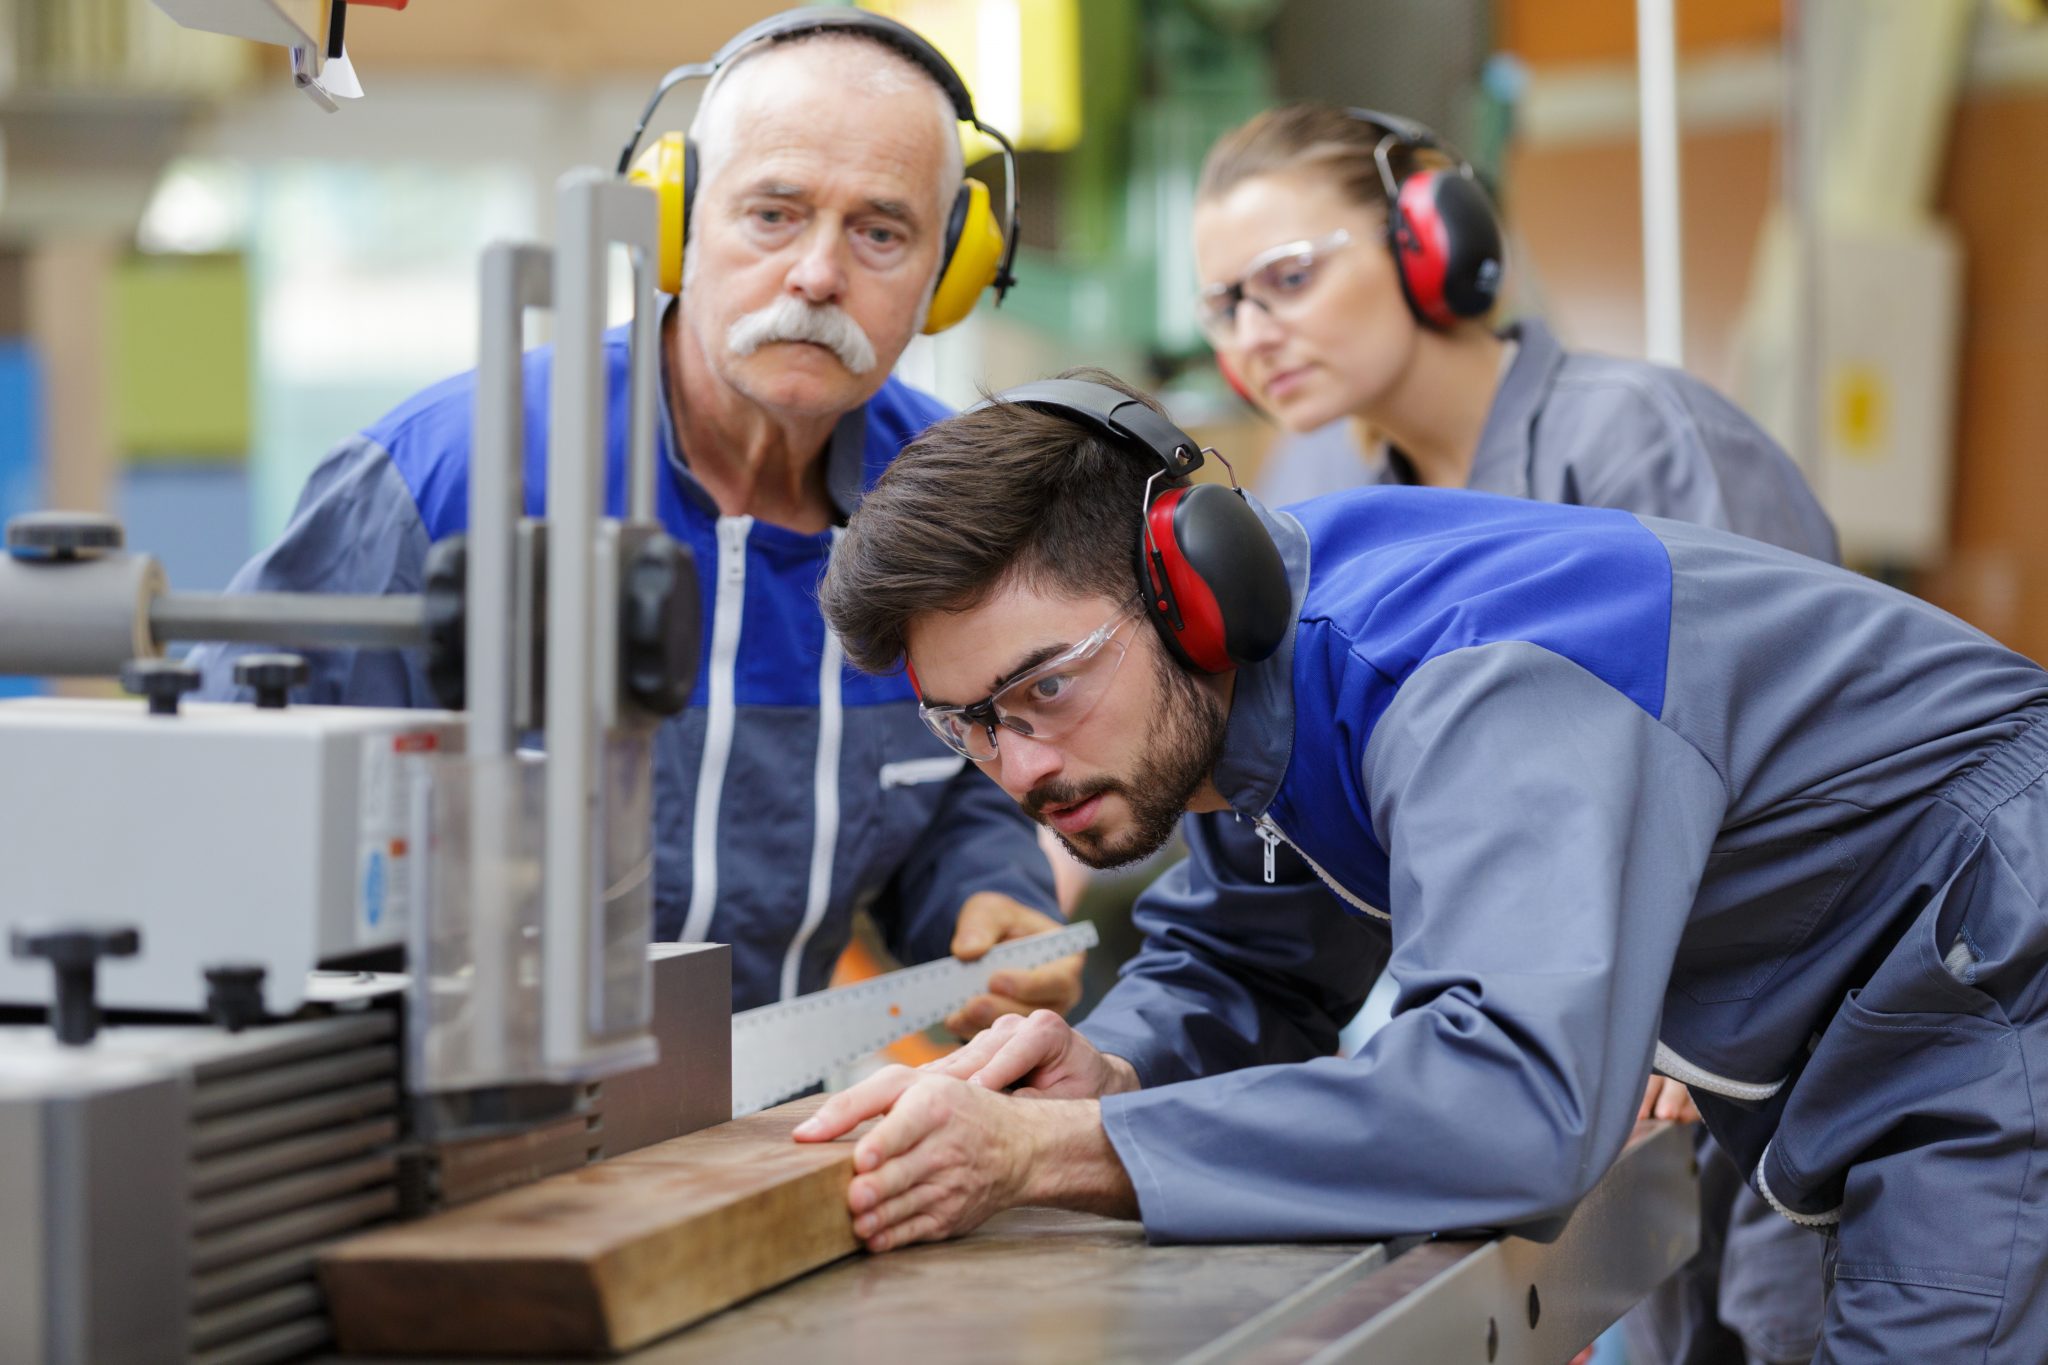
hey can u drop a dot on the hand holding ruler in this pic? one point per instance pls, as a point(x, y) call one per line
point(782, 1050)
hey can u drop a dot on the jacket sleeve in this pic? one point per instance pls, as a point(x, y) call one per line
point(1546, 838)
point(355, 530)
point(978, 840)
point(1235, 971)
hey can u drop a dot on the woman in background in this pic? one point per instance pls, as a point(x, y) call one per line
point(1349, 264)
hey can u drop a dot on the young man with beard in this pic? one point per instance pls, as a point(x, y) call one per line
point(1631, 793)
point(792, 790)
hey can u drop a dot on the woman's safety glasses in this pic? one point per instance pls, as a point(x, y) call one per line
point(1045, 701)
point(1278, 281)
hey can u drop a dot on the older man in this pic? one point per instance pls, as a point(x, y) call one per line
point(791, 792)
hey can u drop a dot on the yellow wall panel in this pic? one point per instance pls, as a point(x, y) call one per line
point(180, 358)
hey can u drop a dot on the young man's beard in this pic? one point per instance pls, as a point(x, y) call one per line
point(1182, 753)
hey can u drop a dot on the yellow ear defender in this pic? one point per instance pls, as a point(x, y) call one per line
point(974, 259)
point(669, 168)
point(978, 249)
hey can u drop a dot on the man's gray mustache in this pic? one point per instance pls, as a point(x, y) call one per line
point(792, 319)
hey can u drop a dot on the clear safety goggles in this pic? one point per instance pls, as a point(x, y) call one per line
point(1045, 702)
point(1279, 281)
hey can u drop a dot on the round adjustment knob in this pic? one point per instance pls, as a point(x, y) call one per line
point(163, 681)
point(234, 994)
point(273, 676)
point(74, 953)
point(63, 535)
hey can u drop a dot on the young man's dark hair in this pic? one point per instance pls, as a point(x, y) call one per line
point(948, 522)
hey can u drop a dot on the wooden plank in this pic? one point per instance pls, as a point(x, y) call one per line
point(604, 1258)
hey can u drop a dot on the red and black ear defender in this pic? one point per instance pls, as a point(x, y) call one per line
point(1210, 573)
point(1441, 227)
point(978, 251)
point(1235, 380)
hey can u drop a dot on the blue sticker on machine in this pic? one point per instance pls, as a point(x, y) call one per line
point(21, 452)
point(373, 889)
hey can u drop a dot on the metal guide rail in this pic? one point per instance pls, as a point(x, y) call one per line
point(782, 1050)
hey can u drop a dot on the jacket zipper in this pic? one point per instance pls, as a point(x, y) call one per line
point(824, 806)
point(721, 714)
point(1270, 835)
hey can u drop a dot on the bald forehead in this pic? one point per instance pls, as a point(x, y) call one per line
point(842, 61)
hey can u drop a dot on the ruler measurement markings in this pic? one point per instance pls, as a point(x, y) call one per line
point(783, 1049)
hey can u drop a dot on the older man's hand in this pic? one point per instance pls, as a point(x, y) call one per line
point(989, 918)
point(1665, 1098)
point(949, 1154)
point(1038, 1056)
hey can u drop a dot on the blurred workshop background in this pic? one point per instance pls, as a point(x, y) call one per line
point(206, 278)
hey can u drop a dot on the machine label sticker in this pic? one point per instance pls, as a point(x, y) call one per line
point(383, 839)
point(373, 890)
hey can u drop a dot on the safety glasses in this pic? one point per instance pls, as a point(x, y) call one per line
point(1045, 702)
point(1279, 281)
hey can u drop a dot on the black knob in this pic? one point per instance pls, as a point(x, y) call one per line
point(74, 952)
point(234, 994)
point(445, 587)
point(658, 621)
point(63, 535)
point(163, 681)
point(273, 676)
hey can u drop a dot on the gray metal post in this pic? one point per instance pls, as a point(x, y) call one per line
point(1663, 263)
point(516, 277)
point(593, 212)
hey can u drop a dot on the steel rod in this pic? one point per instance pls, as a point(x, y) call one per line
point(397, 621)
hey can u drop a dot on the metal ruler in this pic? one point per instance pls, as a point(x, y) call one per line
point(781, 1050)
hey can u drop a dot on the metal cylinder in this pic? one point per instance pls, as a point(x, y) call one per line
point(293, 620)
point(71, 618)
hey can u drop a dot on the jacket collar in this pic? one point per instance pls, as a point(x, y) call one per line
point(1502, 462)
point(1258, 740)
point(845, 449)
point(846, 461)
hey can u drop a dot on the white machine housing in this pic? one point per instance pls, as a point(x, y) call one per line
point(224, 833)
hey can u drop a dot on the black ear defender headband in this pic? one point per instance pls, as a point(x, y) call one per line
point(978, 251)
point(1210, 573)
point(1441, 227)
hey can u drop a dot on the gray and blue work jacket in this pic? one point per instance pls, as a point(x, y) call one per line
point(794, 789)
point(1590, 430)
point(1597, 431)
point(1604, 791)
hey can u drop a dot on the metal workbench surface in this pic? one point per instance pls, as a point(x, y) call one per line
point(1034, 1284)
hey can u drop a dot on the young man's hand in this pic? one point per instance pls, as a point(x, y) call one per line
point(989, 918)
point(949, 1154)
point(1042, 1056)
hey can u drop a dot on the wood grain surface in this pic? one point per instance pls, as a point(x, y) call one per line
point(605, 1258)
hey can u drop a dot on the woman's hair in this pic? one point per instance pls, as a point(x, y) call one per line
point(1321, 139)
